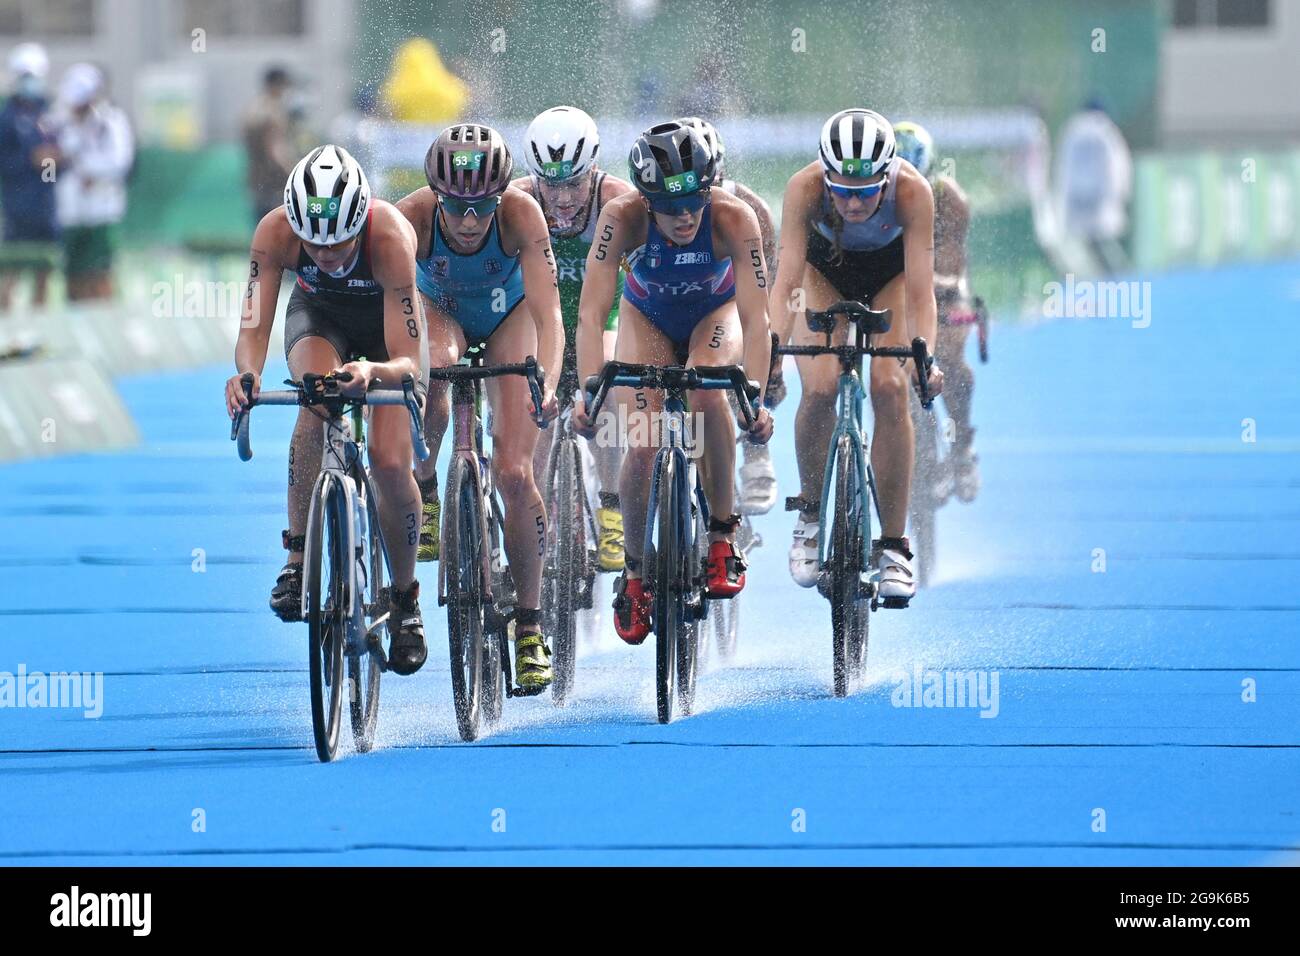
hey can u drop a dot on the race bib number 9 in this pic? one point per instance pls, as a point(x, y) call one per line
point(327, 206)
point(562, 170)
point(682, 183)
point(467, 159)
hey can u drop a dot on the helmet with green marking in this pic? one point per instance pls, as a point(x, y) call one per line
point(915, 144)
point(561, 143)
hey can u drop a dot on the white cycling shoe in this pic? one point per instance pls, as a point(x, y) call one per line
point(803, 552)
point(895, 584)
point(757, 480)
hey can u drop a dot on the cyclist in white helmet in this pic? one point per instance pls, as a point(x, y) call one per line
point(561, 148)
point(354, 309)
point(957, 309)
point(485, 270)
point(757, 475)
point(857, 223)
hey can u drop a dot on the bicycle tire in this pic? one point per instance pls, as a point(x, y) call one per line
point(569, 556)
point(496, 638)
point(667, 598)
point(694, 548)
point(326, 603)
point(462, 549)
point(848, 611)
point(364, 670)
point(924, 502)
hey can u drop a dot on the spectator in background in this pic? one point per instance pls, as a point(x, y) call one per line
point(1094, 181)
point(98, 150)
point(268, 142)
point(27, 172)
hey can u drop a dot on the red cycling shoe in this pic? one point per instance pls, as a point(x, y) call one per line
point(631, 609)
point(725, 570)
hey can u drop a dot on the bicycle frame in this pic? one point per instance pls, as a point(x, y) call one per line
point(848, 421)
point(466, 442)
point(674, 443)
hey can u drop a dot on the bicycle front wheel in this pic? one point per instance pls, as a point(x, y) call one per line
point(848, 610)
point(925, 501)
point(325, 593)
point(668, 585)
point(462, 549)
point(568, 553)
point(363, 669)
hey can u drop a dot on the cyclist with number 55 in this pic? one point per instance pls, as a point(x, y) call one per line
point(353, 310)
point(857, 224)
point(487, 277)
point(695, 294)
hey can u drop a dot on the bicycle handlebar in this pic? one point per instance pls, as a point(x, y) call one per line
point(528, 368)
point(318, 390)
point(670, 377)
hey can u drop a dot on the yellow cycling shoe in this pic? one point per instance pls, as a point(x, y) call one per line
point(532, 662)
point(430, 530)
point(609, 529)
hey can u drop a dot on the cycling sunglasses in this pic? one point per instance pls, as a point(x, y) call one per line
point(463, 207)
point(848, 192)
point(677, 205)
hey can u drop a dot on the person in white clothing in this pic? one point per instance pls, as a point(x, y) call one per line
point(1094, 181)
point(97, 150)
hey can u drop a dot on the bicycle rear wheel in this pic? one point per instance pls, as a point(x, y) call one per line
point(848, 610)
point(462, 550)
point(568, 554)
point(327, 603)
point(668, 610)
point(924, 504)
point(363, 669)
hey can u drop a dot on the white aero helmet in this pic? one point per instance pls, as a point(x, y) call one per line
point(327, 196)
point(856, 143)
point(709, 133)
point(561, 143)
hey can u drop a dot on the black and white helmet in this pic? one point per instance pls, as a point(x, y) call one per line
point(326, 196)
point(857, 143)
point(712, 139)
point(468, 161)
point(561, 143)
point(671, 159)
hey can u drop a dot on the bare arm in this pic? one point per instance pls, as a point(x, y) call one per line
point(527, 227)
point(393, 251)
point(796, 213)
point(950, 253)
point(745, 246)
point(613, 230)
point(257, 314)
point(916, 215)
point(766, 227)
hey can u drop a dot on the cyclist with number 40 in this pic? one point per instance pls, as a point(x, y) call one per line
point(695, 294)
point(354, 258)
point(857, 224)
point(487, 278)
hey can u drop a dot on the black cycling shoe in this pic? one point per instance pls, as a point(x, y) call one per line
point(407, 653)
point(286, 596)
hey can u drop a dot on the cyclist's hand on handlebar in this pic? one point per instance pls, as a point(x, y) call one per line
point(582, 424)
point(934, 381)
point(235, 397)
point(358, 384)
point(550, 405)
point(760, 433)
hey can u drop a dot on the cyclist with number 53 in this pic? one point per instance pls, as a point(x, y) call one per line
point(857, 224)
point(487, 277)
point(695, 294)
point(354, 258)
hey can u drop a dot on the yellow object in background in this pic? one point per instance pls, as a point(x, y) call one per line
point(419, 89)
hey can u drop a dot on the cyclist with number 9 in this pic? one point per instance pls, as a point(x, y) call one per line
point(355, 297)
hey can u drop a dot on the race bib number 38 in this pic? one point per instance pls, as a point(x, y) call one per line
point(467, 159)
point(327, 206)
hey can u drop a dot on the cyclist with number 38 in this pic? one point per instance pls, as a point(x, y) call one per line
point(486, 273)
point(857, 224)
point(695, 294)
point(354, 310)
